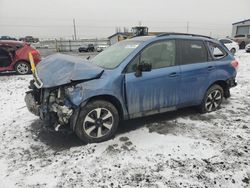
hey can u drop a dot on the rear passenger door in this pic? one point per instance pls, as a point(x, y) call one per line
point(196, 69)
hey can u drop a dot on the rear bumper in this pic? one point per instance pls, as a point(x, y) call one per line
point(231, 82)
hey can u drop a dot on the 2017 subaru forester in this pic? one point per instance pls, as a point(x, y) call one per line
point(133, 78)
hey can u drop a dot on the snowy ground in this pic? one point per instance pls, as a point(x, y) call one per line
point(177, 149)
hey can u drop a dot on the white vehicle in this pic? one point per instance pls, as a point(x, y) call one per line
point(100, 48)
point(248, 48)
point(231, 45)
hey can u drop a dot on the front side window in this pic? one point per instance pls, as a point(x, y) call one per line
point(193, 51)
point(158, 55)
point(114, 55)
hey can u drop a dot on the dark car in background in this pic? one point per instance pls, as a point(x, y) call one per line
point(133, 78)
point(87, 48)
point(7, 38)
point(29, 39)
point(14, 56)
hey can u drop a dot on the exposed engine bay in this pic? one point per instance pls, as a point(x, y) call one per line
point(50, 104)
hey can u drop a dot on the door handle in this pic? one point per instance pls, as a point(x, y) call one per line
point(173, 74)
point(210, 68)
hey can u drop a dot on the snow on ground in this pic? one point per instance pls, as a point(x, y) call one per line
point(176, 149)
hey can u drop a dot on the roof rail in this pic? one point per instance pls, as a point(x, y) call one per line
point(186, 34)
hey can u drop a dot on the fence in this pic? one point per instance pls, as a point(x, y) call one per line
point(70, 45)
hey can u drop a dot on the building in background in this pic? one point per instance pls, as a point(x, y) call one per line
point(136, 32)
point(241, 28)
point(118, 37)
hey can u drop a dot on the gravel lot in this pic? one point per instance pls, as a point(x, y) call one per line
point(176, 149)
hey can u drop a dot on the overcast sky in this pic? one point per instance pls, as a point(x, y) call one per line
point(99, 18)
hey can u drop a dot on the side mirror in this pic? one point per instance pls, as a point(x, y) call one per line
point(144, 67)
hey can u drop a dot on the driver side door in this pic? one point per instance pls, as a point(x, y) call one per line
point(156, 90)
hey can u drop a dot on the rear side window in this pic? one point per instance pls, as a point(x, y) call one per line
point(216, 51)
point(193, 51)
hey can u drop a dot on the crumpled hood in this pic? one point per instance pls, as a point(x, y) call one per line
point(60, 69)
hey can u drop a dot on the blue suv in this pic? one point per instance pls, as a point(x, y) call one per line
point(133, 78)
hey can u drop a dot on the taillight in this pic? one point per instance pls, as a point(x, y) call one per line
point(34, 52)
point(235, 64)
point(36, 55)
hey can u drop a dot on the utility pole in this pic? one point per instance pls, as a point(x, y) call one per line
point(74, 24)
point(187, 27)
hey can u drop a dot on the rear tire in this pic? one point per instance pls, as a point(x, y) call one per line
point(22, 68)
point(212, 99)
point(242, 45)
point(97, 122)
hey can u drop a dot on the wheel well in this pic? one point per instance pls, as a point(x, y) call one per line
point(20, 60)
point(224, 86)
point(109, 98)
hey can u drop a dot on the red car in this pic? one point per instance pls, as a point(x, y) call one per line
point(14, 56)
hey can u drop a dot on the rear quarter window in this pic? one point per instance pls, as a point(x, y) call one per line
point(216, 51)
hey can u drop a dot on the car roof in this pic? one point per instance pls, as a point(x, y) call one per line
point(173, 35)
point(11, 42)
point(142, 38)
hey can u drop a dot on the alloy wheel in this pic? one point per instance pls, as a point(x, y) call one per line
point(213, 100)
point(98, 122)
point(22, 68)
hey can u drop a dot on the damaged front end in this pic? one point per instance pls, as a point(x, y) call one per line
point(50, 104)
point(49, 96)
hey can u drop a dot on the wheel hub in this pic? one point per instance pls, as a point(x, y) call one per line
point(99, 122)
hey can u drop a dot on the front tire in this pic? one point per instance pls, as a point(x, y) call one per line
point(97, 122)
point(212, 99)
point(22, 68)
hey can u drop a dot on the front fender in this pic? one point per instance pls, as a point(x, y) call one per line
point(83, 92)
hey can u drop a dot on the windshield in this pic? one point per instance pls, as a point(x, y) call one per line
point(114, 55)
